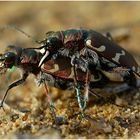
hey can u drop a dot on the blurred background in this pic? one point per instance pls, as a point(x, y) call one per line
point(36, 18)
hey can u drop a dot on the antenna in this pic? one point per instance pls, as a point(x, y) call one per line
point(21, 31)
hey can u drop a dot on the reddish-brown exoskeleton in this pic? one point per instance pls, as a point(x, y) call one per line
point(77, 55)
point(56, 72)
point(91, 52)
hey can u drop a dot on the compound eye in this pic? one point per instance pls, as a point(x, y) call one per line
point(50, 43)
point(9, 56)
point(9, 60)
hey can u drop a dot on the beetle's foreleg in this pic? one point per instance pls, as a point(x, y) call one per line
point(51, 105)
point(14, 84)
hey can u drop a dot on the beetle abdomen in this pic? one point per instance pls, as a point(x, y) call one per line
point(110, 50)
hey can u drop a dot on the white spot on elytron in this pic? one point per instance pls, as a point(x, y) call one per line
point(42, 50)
point(118, 55)
point(100, 49)
point(56, 68)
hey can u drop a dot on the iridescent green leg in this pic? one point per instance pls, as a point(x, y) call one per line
point(82, 104)
point(86, 90)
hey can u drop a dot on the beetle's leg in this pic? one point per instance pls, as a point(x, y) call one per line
point(79, 62)
point(86, 90)
point(109, 36)
point(83, 63)
point(117, 88)
point(78, 93)
point(14, 84)
point(51, 105)
point(128, 75)
point(120, 34)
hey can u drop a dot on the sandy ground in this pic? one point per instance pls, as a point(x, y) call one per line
point(116, 117)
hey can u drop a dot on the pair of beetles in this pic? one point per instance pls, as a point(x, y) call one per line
point(79, 58)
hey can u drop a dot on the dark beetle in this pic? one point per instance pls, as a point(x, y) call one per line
point(56, 72)
point(90, 57)
point(90, 50)
point(27, 60)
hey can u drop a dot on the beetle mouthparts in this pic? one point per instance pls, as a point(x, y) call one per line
point(43, 58)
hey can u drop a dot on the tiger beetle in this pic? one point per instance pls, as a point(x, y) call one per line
point(91, 57)
point(91, 52)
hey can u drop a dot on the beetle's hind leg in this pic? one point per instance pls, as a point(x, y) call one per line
point(81, 101)
point(86, 89)
point(77, 90)
point(129, 76)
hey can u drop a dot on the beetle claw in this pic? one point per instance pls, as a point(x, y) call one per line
point(2, 107)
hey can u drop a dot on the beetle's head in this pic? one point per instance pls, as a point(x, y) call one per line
point(7, 60)
point(52, 44)
point(49, 47)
